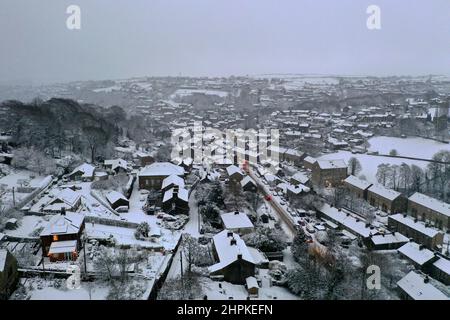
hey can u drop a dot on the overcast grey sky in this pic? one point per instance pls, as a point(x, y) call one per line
point(125, 38)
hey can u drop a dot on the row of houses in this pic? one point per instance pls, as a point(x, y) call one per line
point(418, 205)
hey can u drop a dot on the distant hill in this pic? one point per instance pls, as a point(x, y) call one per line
point(58, 123)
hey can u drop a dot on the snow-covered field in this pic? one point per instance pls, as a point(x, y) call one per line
point(369, 163)
point(409, 147)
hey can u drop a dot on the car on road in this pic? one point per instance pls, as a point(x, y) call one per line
point(310, 228)
point(319, 227)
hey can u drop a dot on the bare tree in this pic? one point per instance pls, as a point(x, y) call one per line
point(383, 173)
point(95, 137)
point(354, 166)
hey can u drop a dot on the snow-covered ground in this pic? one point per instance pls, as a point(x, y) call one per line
point(14, 178)
point(40, 289)
point(409, 147)
point(369, 163)
point(27, 225)
point(238, 292)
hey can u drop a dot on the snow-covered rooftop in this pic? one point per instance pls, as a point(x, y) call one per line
point(418, 226)
point(233, 169)
point(389, 238)
point(332, 164)
point(296, 189)
point(358, 183)
point(68, 196)
point(63, 246)
point(416, 253)
point(236, 220)
point(415, 286)
point(228, 251)
point(246, 180)
point(183, 194)
point(172, 180)
point(300, 177)
point(384, 192)
point(114, 196)
point(443, 265)
point(161, 169)
point(86, 168)
point(431, 203)
point(348, 221)
point(69, 223)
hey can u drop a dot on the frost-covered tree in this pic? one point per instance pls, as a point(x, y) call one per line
point(266, 239)
point(142, 230)
point(299, 247)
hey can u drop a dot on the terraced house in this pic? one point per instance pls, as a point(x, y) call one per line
point(329, 173)
point(430, 210)
point(385, 199)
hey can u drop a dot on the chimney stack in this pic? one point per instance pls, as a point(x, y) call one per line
point(229, 234)
point(426, 279)
point(236, 212)
point(239, 256)
point(233, 242)
point(63, 211)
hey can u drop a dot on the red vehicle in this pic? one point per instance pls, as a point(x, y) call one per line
point(268, 197)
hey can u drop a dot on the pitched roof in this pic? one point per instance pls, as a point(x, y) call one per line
point(332, 164)
point(415, 286)
point(114, 196)
point(70, 223)
point(183, 194)
point(443, 265)
point(358, 183)
point(227, 252)
point(384, 192)
point(86, 169)
point(431, 203)
point(414, 252)
point(300, 177)
point(172, 179)
point(68, 196)
point(246, 180)
point(233, 169)
point(63, 246)
point(161, 169)
point(418, 226)
point(235, 220)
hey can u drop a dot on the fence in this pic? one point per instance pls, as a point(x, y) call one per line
point(111, 222)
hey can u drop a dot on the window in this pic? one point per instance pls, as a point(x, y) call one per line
point(55, 237)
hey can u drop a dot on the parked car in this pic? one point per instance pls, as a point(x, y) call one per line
point(310, 228)
point(320, 227)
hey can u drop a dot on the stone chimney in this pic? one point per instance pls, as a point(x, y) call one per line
point(229, 234)
point(426, 279)
point(239, 256)
point(63, 211)
point(233, 242)
point(236, 212)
